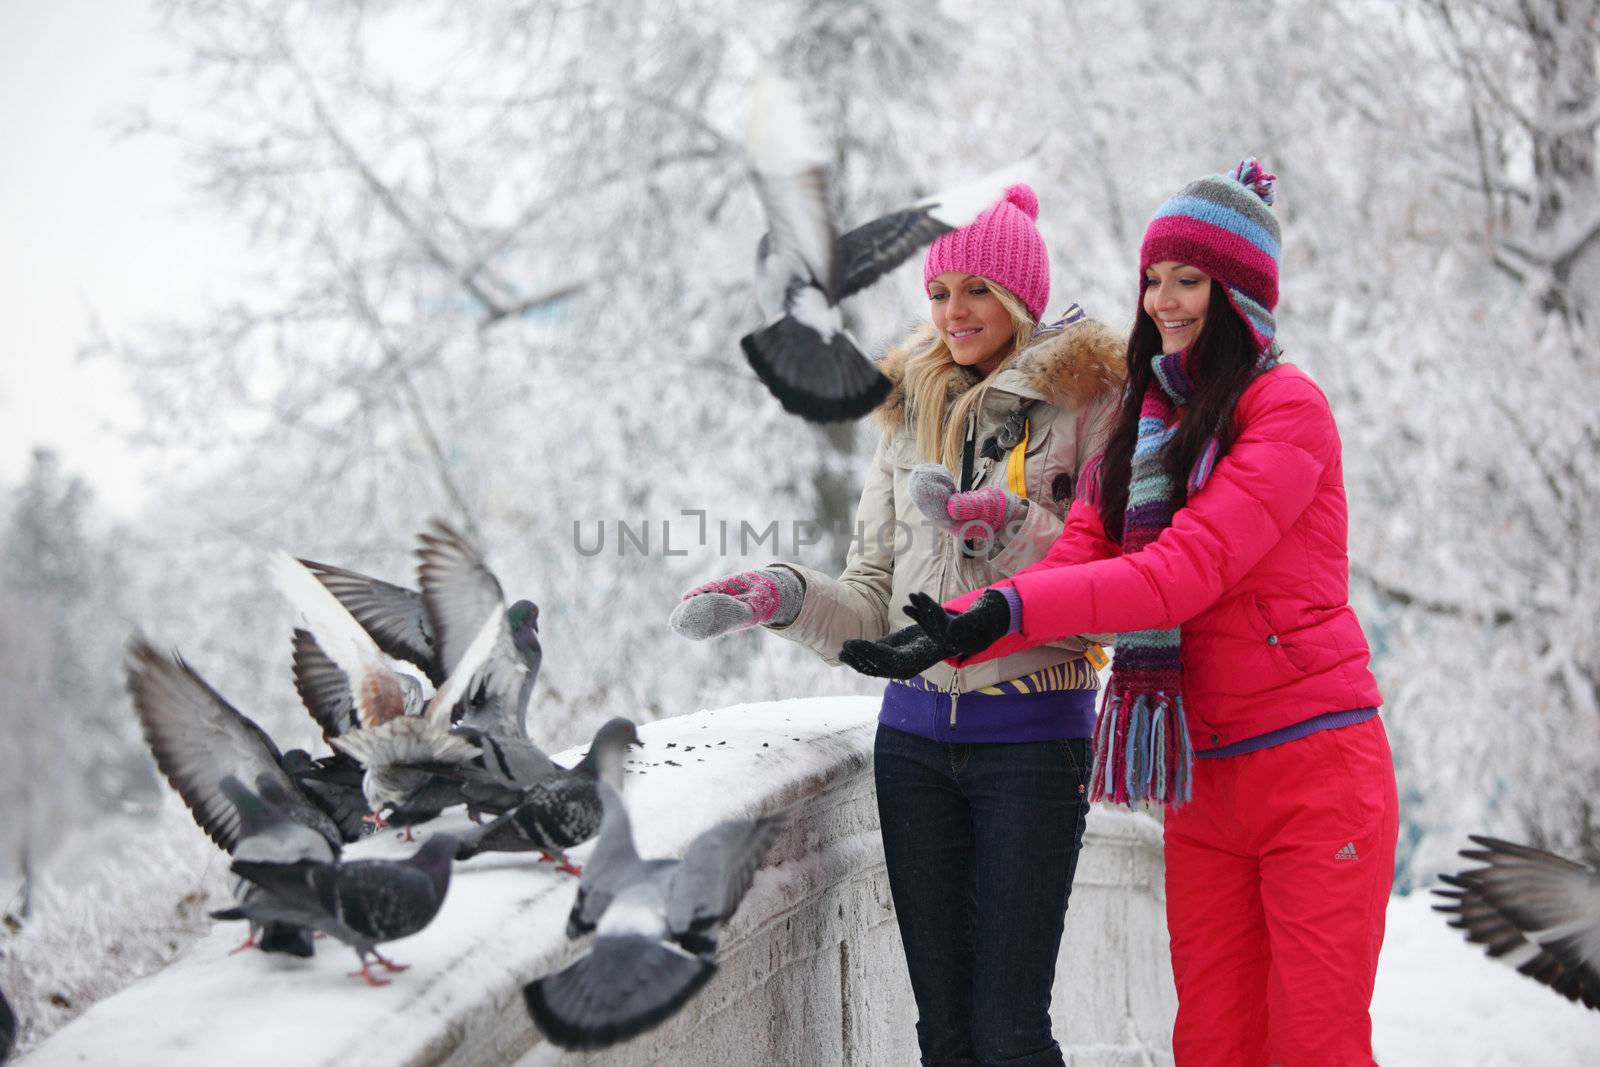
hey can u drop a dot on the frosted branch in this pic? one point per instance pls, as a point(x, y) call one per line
point(1410, 598)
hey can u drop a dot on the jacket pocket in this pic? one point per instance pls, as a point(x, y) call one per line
point(1279, 637)
point(1241, 657)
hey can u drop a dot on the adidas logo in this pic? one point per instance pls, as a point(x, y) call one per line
point(1347, 853)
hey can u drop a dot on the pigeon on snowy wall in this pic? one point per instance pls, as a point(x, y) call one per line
point(458, 589)
point(561, 810)
point(1534, 910)
point(656, 924)
point(8, 1028)
point(333, 783)
point(200, 741)
point(422, 628)
point(434, 628)
point(364, 903)
point(391, 739)
point(804, 268)
point(498, 779)
point(274, 828)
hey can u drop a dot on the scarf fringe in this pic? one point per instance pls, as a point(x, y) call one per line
point(1142, 752)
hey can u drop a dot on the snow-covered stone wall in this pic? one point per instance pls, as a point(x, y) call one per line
point(810, 968)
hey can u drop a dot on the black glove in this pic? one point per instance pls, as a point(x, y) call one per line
point(970, 632)
point(902, 654)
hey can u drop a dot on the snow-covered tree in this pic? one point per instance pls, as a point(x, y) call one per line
point(503, 263)
point(71, 754)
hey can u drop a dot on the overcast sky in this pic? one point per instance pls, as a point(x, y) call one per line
point(90, 224)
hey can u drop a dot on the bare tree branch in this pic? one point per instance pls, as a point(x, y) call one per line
point(1410, 598)
point(355, 287)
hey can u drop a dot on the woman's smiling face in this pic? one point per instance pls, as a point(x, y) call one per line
point(1176, 297)
point(971, 320)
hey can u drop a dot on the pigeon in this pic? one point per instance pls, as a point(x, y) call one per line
point(324, 689)
point(432, 629)
point(339, 781)
point(1534, 910)
point(363, 903)
point(393, 615)
point(561, 810)
point(506, 767)
point(332, 783)
point(656, 924)
point(391, 737)
point(804, 269)
point(272, 830)
point(8, 1028)
point(199, 742)
point(458, 590)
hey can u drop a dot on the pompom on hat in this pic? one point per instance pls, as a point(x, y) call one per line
point(1002, 245)
point(1224, 225)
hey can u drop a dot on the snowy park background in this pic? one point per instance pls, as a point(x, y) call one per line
point(286, 274)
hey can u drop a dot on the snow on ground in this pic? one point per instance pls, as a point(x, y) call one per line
point(1441, 1001)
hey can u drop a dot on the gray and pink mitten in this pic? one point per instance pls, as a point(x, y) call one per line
point(771, 595)
point(976, 514)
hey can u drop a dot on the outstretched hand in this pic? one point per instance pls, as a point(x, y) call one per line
point(738, 602)
point(967, 633)
point(903, 654)
point(937, 635)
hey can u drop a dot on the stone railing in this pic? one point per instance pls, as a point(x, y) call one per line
point(810, 970)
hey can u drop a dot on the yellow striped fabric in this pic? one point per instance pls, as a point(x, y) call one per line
point(1074, 674)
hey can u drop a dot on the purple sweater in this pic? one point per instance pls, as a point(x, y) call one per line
point(998, 714)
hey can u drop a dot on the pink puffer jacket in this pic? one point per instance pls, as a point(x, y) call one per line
point(1254, 569)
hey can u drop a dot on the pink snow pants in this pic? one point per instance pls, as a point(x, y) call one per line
point(1278, 874)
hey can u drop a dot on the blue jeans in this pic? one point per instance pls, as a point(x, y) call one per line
point(981, 843)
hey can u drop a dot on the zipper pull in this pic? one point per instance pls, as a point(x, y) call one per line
point(955, 696)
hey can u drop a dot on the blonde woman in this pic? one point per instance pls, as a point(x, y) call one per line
point(981, 773)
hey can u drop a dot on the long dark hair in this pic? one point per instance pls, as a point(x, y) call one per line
point(1222, 363)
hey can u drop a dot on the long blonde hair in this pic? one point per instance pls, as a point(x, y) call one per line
point(941, 425)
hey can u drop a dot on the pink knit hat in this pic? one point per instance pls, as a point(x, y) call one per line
point(1002, 245)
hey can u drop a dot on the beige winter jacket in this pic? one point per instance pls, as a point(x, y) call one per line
point(1072, 379)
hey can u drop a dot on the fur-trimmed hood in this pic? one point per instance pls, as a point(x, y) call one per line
point(1067, 366)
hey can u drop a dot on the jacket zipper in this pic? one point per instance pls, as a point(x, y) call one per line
point(968, 458)
point(968, 447)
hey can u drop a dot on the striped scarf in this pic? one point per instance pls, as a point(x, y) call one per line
point(1142, 748)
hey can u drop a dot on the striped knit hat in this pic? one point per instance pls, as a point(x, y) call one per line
point(1224, 225)
point(1002, 245)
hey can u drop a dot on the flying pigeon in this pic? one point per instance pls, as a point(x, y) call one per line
point(433, 629)
point(363, 903)
point(458, 590)
point(1534, 910)
point(561, 810)
point(199, 741)
point(804, 269)
point(390, 736)
point(8, 1028)
point(656, 922)
point(273, 829)
point(393, 615)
